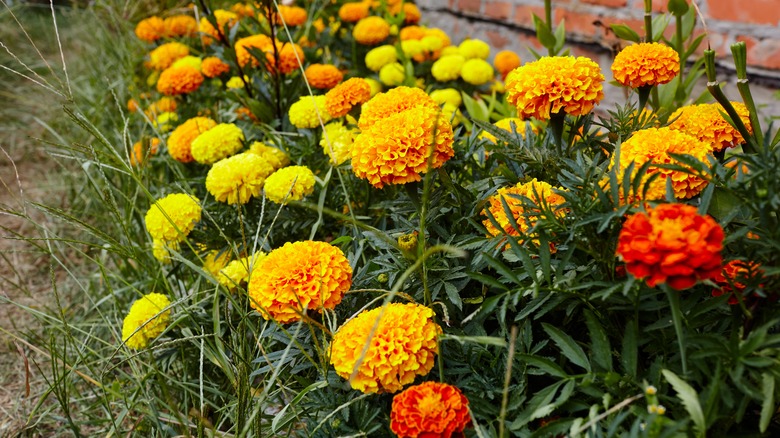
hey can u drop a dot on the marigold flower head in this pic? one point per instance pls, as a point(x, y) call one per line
point(162, 105)
point(408, 242)
point(164, 121)
point(142, 150)
point(477, 71)
point(323, 76)
point(308, 111)
point(170, 219)
point(506, 125)
point(179, 80)
point(166, 54)
point(291, 15)
point(180, 141)
point(276, 157)
point(162, 250)
point(447, 95)
point(552, 84)
point(290, 58)
point(337, 141)
point(238, 178)
point(395, 150)
point(224, 18)
point(192, 61)
point(672, 244)
point(238, 271)
point(398, 99)
point(132, 105)
point(213, 67)
point(403, 347)
point(343, 97)
point(219, 142)
point(379, 57)
point(260, 42)
point(180, 26)
point(474, 48)
point(215, 260)
point(299, 275)
point(291, 183)
point(148, 317)
point(392, 74)
point(353, 12)
point(440, 34)
point(448, 68)
point(243, 9)
point(412, 48)
point(411, 12)
point(655, 145)
point(732, 277)
point(646, 64)
point(706, 123)
point(150, 29)
point(411, 33)
point(430, 409)
point(235, 83)
point(506, 61)
point(371, 30)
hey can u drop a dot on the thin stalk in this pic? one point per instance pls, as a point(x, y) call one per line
point(548, 22)
point(739, 51)
point(680, 49)
point(649, 21)
point(507, 380)
point(714, 88)
point(556, 126)
point(674, 305)
point(644, 94)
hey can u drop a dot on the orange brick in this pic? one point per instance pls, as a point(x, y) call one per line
point(765, 54)
point(595, 28)
point(470, 6)
point(497, 40)
point(523, 15)
point(609, 3)
point(658, 5)
point(498, 10)
point(755, 11)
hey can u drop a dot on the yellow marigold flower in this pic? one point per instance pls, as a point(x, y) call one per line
point(236, 179)
point(341, 99)
point(161, 250)
point(277, 158)
point(412, 48)
point(506, 61)
point(706, 123)
point(260, 42)
point(291, 15)
point(376, 86)
point(471, 49)
point(192, 61)
point(371, 30)
point(308, 111)
point(337, 142)
point(447, 95)
point(379, 57)
point(234, 83)
point(506, 125)
point(289, 184)
point(142, 150)
point(171, 218)
point(166, 54)
point(398, 99)
point(403, 347)
point(212, 67)
point(411, 12)
point(181, 138)
point(162, 105)
point(214, 261)
point(180, 26)
point(408, 242)
point(555, 83)
point(224, 18)
point(148, 317)
point(164, 120)
point(392, 74)
point(150, 29)
point(654, 145)
point(238, 271)
point(450, 50)
point(646, 64)
point(477, 71)
point(179, 80)
point(217, 143)
point(395, 150)
point(323, 76)
point(448, 68)
point(353, 12)
point(440, 34)
point(297, 276)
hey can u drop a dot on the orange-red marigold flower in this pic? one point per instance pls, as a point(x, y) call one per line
point(732, 277)
point(646, 64)
point(672, 244)
point(430, 409)
point(371, 30)
point(323, 76)
point(179, 80)
point(340, 100)
point(260, 42)
point(506, 61)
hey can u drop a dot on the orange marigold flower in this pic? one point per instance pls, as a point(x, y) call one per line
point(162, 105)
point(412, 33)
point(132, 105)
point(323, 76)
point(150, 29)
point(298, 276)
point(353, 12)
point(646, 64)
point(340, 100)
point(179, 80)
point(142, 150)
point(411, 12)
point(706, 123)
point(180, 26)
point(555, 83)
point(291, 15)
point(430, 409)
point(506, 61)
point(655, 145)
point(732, 277)
point(395, 150)
point(260, 42)
point(402, 347)
point(398, 99)
point(371, 30)
point(180, 141)
point(223, 18)
point(212, 67)
point(243, 9)
point(673, 244)
point(164, 56)
point(290, 58)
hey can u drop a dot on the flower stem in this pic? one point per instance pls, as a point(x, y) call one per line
point(556, 126)
point(674, 305)
point(714, 88)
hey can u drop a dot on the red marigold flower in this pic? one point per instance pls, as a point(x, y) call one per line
point(732, 277)
point(671, 244)
point(430, 409)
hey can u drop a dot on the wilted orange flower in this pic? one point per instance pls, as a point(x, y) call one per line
point(506, 61)
point(212, 67)
point(323, 76)
point(411, 12)
point(646, 64)
point(555, 83)
point(301, 275)
point(166, 54)
point(403, 347)
point(179, 80)
point(430, 409)
point(223, 18)
point(732, 277)
point(141, 150)
point(260, 42)
point(150, 29)
point(180, 26)
point(673, 244)
point(371, 30)
point(340, 100)
point(353, 12)
point(655, 145)
point(706, 123)
point(180, 141)
point(398, 99)
point(291, 15)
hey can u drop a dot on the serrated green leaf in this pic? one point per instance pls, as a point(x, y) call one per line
point(544, 33)
point(690, 400)
point(599, 342)
point(768, 405)
point(568, 346)
point(628, 358)
point(282, 419)
point(543, 364)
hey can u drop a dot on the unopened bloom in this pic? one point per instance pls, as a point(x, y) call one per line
point(148, 317)
point(430, 409)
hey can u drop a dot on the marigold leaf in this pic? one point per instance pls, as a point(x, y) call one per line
point(690, 400)
point(568, 346)
point(768, 405)
point(625, 33)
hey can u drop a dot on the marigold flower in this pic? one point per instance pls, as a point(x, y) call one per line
point(506, 125)
point(732, 277)
point(170, 219)
point(477, 71)
point(430, 409)
point(392, 74)
point(371, 30)
point(412, 33)
point(706, 123)
point(166, 54)
point(224, 18)
point(181, 138)
point(217, 143)
point(379, 57)
point(673, 244)
point(398, 99)
point(506, 61)
point(132, 105)
point(148, 317)
point(411, 12)
point(444, 39)
point(162, 105)
point(308, 111)
point(448, 68)
point(162, 250)
point(150, 29)
point(395, 150)
point(290, 58)
point(243, 9)
point(552, 84)
point(277, 158)
point(260, 42)
point(447, 95)
point(646, 64)
point(143, 150)
point(215, 261)
point(323, 76)
point(192, 61)
point(235, 83)
point(179, 80)
point(238, 178)
point(343, 97)
point(291, 183)
point(164, 121)
point(408, 242)
point(238, 271)
point(337, 141)
point(403, 347)
point(213, 67)
point(655, 145)
point(291, 15)
point(180, 26)
point(301, 275)
point(474, 48)
point(412, 48)
point(353, 12)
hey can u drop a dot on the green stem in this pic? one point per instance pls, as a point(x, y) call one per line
point(644, 94)
point(739, 51)
point(714, 88)
point(648, 21)
point(674, 305)
point(548, 22)
point(556, 126)
point(680, 51)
